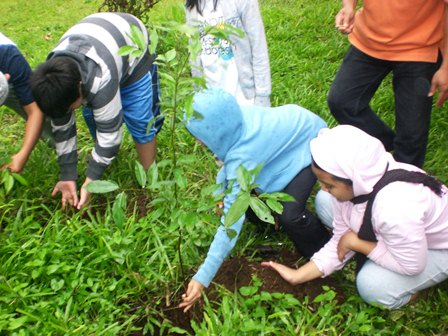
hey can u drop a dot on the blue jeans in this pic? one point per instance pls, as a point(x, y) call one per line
point(357, 81)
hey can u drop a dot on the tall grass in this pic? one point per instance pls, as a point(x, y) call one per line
point(79, 273)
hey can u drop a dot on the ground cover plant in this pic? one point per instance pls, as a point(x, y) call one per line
point(120, 266)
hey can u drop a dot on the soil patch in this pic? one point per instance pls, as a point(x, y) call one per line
point(237, 272)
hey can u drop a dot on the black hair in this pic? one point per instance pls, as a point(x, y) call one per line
point(191, 4)
point(55, 85)
point(337, 178)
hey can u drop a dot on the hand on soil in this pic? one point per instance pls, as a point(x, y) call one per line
point(194, 293)
point(285, 272)
point(68, 191)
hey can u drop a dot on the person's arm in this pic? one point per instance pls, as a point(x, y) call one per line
point(327, 258)
point(18, 72)
point(351, 242)
point(109, 133)
point(306, 273)
point(440, 78)
point(345, 19)
point(64, 131)
point(219, 249)
point(253, 25)
point(33, 129)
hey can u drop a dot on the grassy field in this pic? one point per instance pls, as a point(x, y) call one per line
point(105, 271)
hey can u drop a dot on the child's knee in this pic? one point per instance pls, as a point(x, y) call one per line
point(375, 289)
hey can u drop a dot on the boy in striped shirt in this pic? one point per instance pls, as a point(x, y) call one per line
point(86, 70)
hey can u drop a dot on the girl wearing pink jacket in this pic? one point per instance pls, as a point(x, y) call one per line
point(391, 215)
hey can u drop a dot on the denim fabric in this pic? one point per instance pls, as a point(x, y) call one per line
point(141, 108)
point(393, 290)
point(356, 82)
point(324, 208)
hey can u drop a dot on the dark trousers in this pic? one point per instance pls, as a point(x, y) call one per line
point(355, 84)
point(303, 228)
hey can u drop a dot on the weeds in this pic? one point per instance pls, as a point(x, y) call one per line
point(106, 270)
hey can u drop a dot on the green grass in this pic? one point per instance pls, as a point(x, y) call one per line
point(69, 273)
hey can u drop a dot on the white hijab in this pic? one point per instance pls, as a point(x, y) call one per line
point(348, 152)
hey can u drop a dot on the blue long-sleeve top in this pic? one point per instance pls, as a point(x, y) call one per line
point(278, 138)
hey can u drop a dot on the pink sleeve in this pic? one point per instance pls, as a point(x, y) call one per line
point(326, 259)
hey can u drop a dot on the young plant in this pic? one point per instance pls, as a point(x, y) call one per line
point(263, 204)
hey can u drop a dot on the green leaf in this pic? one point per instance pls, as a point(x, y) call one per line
point(261, 210)
point(8, 182)
point(101, 187)
point(237, 209)
point(180, 179)
point(256, 170)
point(140, 174)
point(119, 209)
point(138, 37)
point(136, 53)
point(231, 233)
point(186, 29)
point(56, 284)
point(17, 322)
point(279, 196)
point(244, 178)
point(274, 206)
point(248, 290)
point(153, 175)
point(154, 40)
point(126, 50)
point(170, 55)
point(19, 178)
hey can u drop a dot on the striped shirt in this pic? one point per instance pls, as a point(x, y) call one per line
point(93, 44)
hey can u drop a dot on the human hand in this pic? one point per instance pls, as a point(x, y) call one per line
point(287, 273)
point(68, 191)
point(346, 243)
point(440, 81)
point(17, 163)
point(194, 293)
point(219, 210)
point(85, 195)
point(345, 20)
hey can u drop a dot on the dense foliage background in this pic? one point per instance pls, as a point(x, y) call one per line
point(106, 271)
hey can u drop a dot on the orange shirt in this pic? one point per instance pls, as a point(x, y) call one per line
point(400, 30)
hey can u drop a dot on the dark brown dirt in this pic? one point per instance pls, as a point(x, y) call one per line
point(237, 272)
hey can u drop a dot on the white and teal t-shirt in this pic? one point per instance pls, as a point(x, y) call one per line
point(217, 56)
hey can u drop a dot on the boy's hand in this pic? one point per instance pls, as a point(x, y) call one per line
point(194, 292)
point(68, 191)
point(17, 163)
point(345, 20)
point(440, 82)
point(85, 195)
